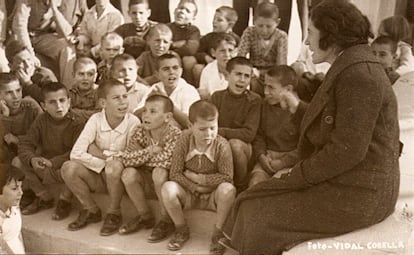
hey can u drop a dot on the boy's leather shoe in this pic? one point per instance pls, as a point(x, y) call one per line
point(111, 224)
point(85, 217)
point(62, 210)
point(37, 205)
point(161, 231)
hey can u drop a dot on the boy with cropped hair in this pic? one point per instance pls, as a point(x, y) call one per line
point(54, 132)
point(223, 22)
point(16, 115)
point(124, 69)
point(274, 147)
point(239, 116)
point(385, 49)
point(147, 162)
point(92, 166)
point(201, 176)
point(159, 39)
point(213, 76)
point(134, 33)
point(111, 46)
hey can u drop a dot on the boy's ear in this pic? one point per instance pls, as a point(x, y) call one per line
point(289, 88)
point(169, 116)
point(121, 50)
point(213, 52)
point(277, 22)
point(101, 102)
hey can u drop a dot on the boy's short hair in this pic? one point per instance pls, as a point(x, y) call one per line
point(122, 57)
point(266, 10)
point(135, 2)
point(229, 13)
point(112, 36)
point(7, 78)
point(160, 28)
point(166, 101)
point(52, 87)
point(202, 109)
point(83, 61)
point(9, 173)
point(222, 36)
point(107, 84)
point(237, 61)
point(14, 47)
point(189, 1)
point(168, 55)
point(285, 74)
point(388, 41)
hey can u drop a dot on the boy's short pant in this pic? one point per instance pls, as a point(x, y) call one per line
point(148, 185)
point(205, 201)
point(49, 175)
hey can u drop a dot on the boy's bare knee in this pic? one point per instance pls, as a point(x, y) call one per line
point(69, 170)
point(159, 175)
point(169, 191)
point(189, 61)
point(113, 169)
point(130, 176)
point(226, 190)
point(237, 145)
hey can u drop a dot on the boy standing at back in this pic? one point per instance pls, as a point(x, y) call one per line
point(159, 39)
point(92, 165)
point(148, 161)
point(239, 116)
point(16, 115)
point(201, 176)
point(111, 46)
point(55, 132)
point(134, 33)
point(385, 48)
point(274, 147)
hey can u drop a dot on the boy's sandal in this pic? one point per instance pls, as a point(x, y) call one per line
point(179, 238)
point(136, 224)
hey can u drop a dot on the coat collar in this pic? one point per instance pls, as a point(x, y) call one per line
point(353, 55)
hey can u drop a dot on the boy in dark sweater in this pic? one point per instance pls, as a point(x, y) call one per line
point(16, 115)
point(239, 115)
point(186, 37)
point(274, 147)
point(54, 132)
point(134, 33)
point(201, 175)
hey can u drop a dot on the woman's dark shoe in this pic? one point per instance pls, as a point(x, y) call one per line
point(37, 205)
point(85, 217)
point(62, 210)
point(111, 224)
point(161, 231)
point(136, 224)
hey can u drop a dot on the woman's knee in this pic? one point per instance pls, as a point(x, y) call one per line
point(131, 176)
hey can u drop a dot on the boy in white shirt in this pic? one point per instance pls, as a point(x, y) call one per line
point(92, 165)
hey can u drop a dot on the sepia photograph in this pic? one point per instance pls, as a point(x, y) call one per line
point(221, 127)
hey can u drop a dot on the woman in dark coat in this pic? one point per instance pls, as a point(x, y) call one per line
point(348, 176)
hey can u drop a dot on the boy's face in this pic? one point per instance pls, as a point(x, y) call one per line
point(56, 103)
point(125, 71)
point(205, 131)
point(24, 60)
point(85, 76)
point(159, 43)
point(11, 93)
point(12, 193)
point(224, 52)
point(139, 14)
point(239, 79)
point(265, 26)
point(116, 102)
point(102, 3)
point(273, 89)
point(220, 23)
point(109, 49)
point(170, 72)
point(384, 54)
point(184, 14)
point(153, 116)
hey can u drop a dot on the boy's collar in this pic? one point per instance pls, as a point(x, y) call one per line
point(193, 150)
point(182, 25)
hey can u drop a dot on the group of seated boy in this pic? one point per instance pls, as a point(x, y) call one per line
point(177, 115)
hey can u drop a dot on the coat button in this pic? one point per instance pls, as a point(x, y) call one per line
point(329, 119)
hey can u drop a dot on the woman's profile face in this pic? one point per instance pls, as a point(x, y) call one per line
point(318, 55)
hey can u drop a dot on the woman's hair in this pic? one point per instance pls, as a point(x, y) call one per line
point(396, 27)
point(341, 24)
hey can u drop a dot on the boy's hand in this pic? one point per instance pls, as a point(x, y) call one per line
point(277, 164)
point(265, 164)
point(178, 44)
point(203, 190)
point(256, 72)
point(157, 91)
point(282, 173)
point(192, 176)
point(96, 152)
point(24, 77)
point(154, 149)
point(4, 110)
point(10, 138)
point(40, 163)
point(289, 100)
